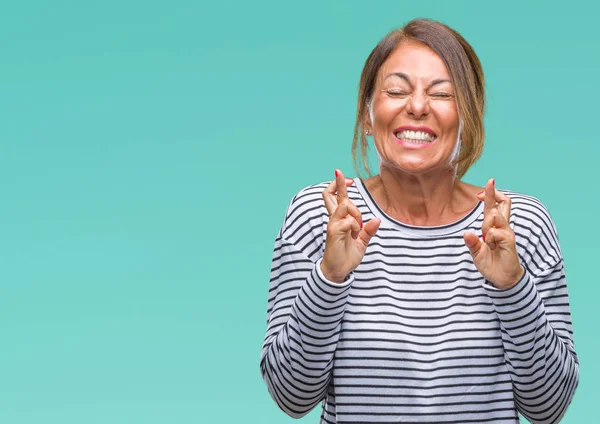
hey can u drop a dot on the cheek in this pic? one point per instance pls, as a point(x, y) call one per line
point(448, 116)
point(386, 109)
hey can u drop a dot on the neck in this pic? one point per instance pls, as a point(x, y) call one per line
point(431, 199)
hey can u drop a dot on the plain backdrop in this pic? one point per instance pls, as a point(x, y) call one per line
point(148, 151)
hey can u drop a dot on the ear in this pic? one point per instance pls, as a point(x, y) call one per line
point(367, 129)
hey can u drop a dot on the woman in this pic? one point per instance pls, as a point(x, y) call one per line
point(450, 303)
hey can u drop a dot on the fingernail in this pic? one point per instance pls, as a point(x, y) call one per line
point(493, 182)
point(481, 192)
point(336, 173)
point(361, 224)
point(483, 237)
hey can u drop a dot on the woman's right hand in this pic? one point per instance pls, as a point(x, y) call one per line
point(347, 238)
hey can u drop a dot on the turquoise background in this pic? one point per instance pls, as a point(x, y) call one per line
point(148, 151)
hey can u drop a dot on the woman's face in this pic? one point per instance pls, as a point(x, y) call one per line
point(414, 117)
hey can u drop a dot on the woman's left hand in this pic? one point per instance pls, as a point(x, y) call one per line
point(496, 257)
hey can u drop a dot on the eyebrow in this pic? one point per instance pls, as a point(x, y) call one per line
point(405, 77)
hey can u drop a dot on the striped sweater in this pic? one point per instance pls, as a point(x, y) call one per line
point(416, 334)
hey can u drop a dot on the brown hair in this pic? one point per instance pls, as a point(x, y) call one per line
point(465, 72)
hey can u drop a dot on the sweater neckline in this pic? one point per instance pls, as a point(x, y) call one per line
point(437, 230)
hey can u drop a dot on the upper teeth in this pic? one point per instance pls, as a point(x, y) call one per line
point(415, 135)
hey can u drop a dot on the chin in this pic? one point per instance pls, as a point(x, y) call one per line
point(414, 167)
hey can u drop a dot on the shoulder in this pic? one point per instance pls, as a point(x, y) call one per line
point(530, 209)
point(306, 205)
point(534, 227)
point(306, 210)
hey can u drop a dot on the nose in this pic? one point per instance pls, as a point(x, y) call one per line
point(417, 105)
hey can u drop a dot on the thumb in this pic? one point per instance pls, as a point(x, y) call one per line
point(473, 243)
point(369, 230)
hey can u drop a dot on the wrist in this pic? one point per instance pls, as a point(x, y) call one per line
point(330, 276)
point(518, 276)
point(513, 280)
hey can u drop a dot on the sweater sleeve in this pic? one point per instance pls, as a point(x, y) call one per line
point(537, 331)
point(304, 315)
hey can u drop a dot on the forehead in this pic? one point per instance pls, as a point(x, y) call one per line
point(416, 60)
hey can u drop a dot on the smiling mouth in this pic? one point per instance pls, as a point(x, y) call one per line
point(415, 137)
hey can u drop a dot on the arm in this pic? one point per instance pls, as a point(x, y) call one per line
point(538, 343)
point(525, 280)
point(303, 322)
point(310, 283)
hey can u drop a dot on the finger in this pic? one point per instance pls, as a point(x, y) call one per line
point(329, 196)
point(369, 230)
point(347, 208)
point(494, 219)
point(340, 212)
point(497, 237)
point(350, 224)
point(491, 238)
point(503, 202)
point(343, 226)
point(342, 193)
point(489, 199)
point(353, 211)
point(473, 243)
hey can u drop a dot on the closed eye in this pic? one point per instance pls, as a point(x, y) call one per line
point(441, 95)
point(396, 93)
